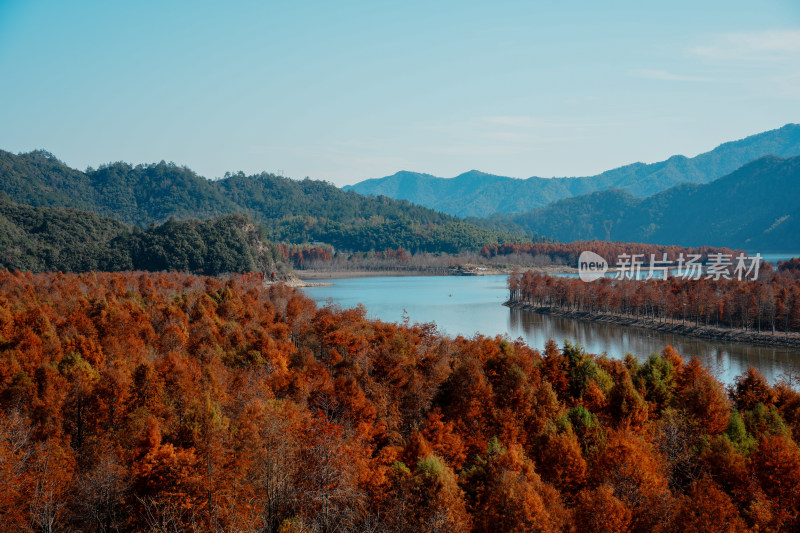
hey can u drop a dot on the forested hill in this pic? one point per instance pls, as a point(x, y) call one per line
point(141, 195)
point(69, 240)
point(478, 194)
point(755, 208)
point(292, 210)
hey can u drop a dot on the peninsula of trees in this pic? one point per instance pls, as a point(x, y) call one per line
point(768, 306)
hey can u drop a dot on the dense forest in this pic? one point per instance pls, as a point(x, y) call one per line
point(770, 303)
point(295, 211)
point(69, 240)
point(171, 402)
point(754, 207)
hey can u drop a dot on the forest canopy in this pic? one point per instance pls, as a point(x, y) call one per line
point(136, 401)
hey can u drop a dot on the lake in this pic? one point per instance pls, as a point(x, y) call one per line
point(466, 305)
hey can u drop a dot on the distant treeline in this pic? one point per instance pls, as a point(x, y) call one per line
point(567, 253)
point(325, 258)
point(320, 256)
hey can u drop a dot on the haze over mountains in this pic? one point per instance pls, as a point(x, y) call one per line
point(479, 194)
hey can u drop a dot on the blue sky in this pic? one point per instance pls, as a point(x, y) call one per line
point(353, 90)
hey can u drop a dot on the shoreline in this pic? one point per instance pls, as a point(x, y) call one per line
point(343, 274)
point(295, 282)
point(778, 340)
point(459, 270)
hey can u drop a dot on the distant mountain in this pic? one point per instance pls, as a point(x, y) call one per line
point(756, 207)
point(294, 211)
point(478, 194)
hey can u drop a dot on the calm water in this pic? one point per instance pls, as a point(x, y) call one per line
point(774, 257)
point(469, 305)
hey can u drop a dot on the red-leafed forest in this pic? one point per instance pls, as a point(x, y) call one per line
point(568, 252)
point(172, 402)
point(771, 303)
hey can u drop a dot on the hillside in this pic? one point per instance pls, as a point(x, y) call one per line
point(755, 207)
point(69, 240)
point(292, 210)
point(478, 194)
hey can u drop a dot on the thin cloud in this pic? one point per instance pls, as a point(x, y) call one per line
point(518, 121)
point(654, 74)
point(526, 122)
point(768, 45)
point(471, 150)
point(764, 61)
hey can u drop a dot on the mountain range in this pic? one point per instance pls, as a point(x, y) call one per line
point(478, 194)
point(754, 206)
point(757, 207)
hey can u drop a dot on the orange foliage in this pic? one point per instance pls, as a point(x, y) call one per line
point(506, 494)
point(702, 397)
point(707, 509)
point(599, 510)
point(751, 389)
point(776, 463)
point(561, 461)
point(133, 401)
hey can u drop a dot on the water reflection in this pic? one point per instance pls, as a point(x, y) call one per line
point(469, 305)
point(726, 359)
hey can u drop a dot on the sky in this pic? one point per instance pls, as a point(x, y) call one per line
point(346, 91)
